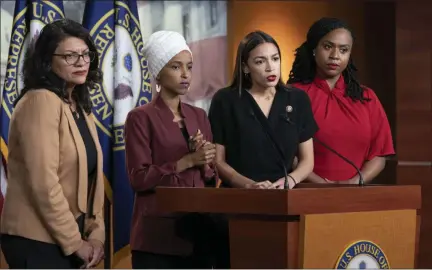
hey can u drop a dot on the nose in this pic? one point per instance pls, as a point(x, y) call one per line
point(185, 73)
point(334, 54)
point(80, 61)
point(270, 66)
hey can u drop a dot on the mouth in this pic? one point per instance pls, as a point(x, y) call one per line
point(271, 78)
point(185, 84)
point(80, 73)
point(333, 66)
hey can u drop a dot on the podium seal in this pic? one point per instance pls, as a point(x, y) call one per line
point(363, 255)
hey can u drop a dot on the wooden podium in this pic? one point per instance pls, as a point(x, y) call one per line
point(309, 226)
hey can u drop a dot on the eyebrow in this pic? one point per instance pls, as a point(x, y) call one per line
point(263, 57)
point(333, 44)
point(180, 63)
point(87, 49)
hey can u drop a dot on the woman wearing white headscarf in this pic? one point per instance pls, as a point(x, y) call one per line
point(168, 143)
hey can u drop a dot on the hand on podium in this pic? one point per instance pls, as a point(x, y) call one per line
point(279, 184)
point(259, 185)
point(352, 181)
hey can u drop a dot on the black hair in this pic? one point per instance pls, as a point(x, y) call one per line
point(251, 41)
point(37, 71)
point(304, 66)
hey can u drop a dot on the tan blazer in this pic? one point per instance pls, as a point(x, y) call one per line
point(47, 174)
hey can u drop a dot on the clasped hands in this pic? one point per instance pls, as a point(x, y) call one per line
point(203, 152)
point(91, 252)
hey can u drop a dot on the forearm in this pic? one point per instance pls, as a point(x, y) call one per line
point(53, 209)
point(315, 178)
point(303, 169)
point(183, 164)
point(370, 170)
point(97, 229)
point(231, 176)
point(209, 172)
point(150, 176)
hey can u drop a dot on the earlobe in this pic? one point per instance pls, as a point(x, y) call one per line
point(245, 69)
point(158, 88)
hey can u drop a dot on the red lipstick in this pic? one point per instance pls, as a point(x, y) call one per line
point(271, 78)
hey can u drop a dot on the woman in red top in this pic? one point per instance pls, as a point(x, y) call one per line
point(350, 117)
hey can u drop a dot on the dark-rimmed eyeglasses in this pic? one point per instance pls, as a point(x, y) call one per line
point(73, 58)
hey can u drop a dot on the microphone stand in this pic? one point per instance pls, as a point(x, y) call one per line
point(361, 179)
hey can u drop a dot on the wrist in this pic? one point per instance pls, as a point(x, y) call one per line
point(354, 180)
point(248, 184)
point(79, 246)
point(188, 161)
point(184, 163)
point(292, 179)
point(95, 242)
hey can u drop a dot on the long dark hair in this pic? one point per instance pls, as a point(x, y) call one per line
point(37, 69)
point(251, 41)
point(304, 66)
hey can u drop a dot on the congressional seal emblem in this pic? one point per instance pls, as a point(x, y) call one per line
point(363, 255)
point(126, 81)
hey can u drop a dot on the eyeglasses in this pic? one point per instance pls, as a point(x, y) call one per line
point(73, 58)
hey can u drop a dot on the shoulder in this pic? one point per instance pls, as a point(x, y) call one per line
point(296, 94)
point(195, 110)
point(369, 93)
point(300, 86)
point(224, 94)
point(140, 112)
point(38, 107)
point(41, 97)
point(42, 100)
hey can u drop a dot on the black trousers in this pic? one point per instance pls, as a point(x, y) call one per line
point(146, 260)
point(210, 236)
point(24, 253)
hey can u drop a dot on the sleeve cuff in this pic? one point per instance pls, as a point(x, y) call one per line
point(98, 235)
point(71, 247)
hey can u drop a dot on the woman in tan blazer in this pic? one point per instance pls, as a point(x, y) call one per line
point(53, 210)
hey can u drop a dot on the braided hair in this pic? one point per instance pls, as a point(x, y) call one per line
point(304, 66)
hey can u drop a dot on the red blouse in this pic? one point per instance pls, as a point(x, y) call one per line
point(357, 131)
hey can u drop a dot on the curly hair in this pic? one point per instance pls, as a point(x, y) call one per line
point(304, 66)
point(37, 71)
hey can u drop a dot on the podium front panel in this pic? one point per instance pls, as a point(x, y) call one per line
point(362, 240)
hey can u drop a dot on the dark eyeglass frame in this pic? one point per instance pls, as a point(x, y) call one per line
point(90, 54)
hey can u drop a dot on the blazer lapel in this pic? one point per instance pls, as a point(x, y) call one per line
point(82, 161)
point(98, 198)
point(167, 118)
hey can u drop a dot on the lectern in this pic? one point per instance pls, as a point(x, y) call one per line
point(311, 226)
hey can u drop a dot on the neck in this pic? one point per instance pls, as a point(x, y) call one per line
point(262, 91)
point(171, 100)
point(331, 81)
point(69, 89)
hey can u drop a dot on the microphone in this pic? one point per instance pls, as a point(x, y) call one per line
point(281, 157)
point(361, 180)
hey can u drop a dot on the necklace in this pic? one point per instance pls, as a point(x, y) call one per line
point(74, 111)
